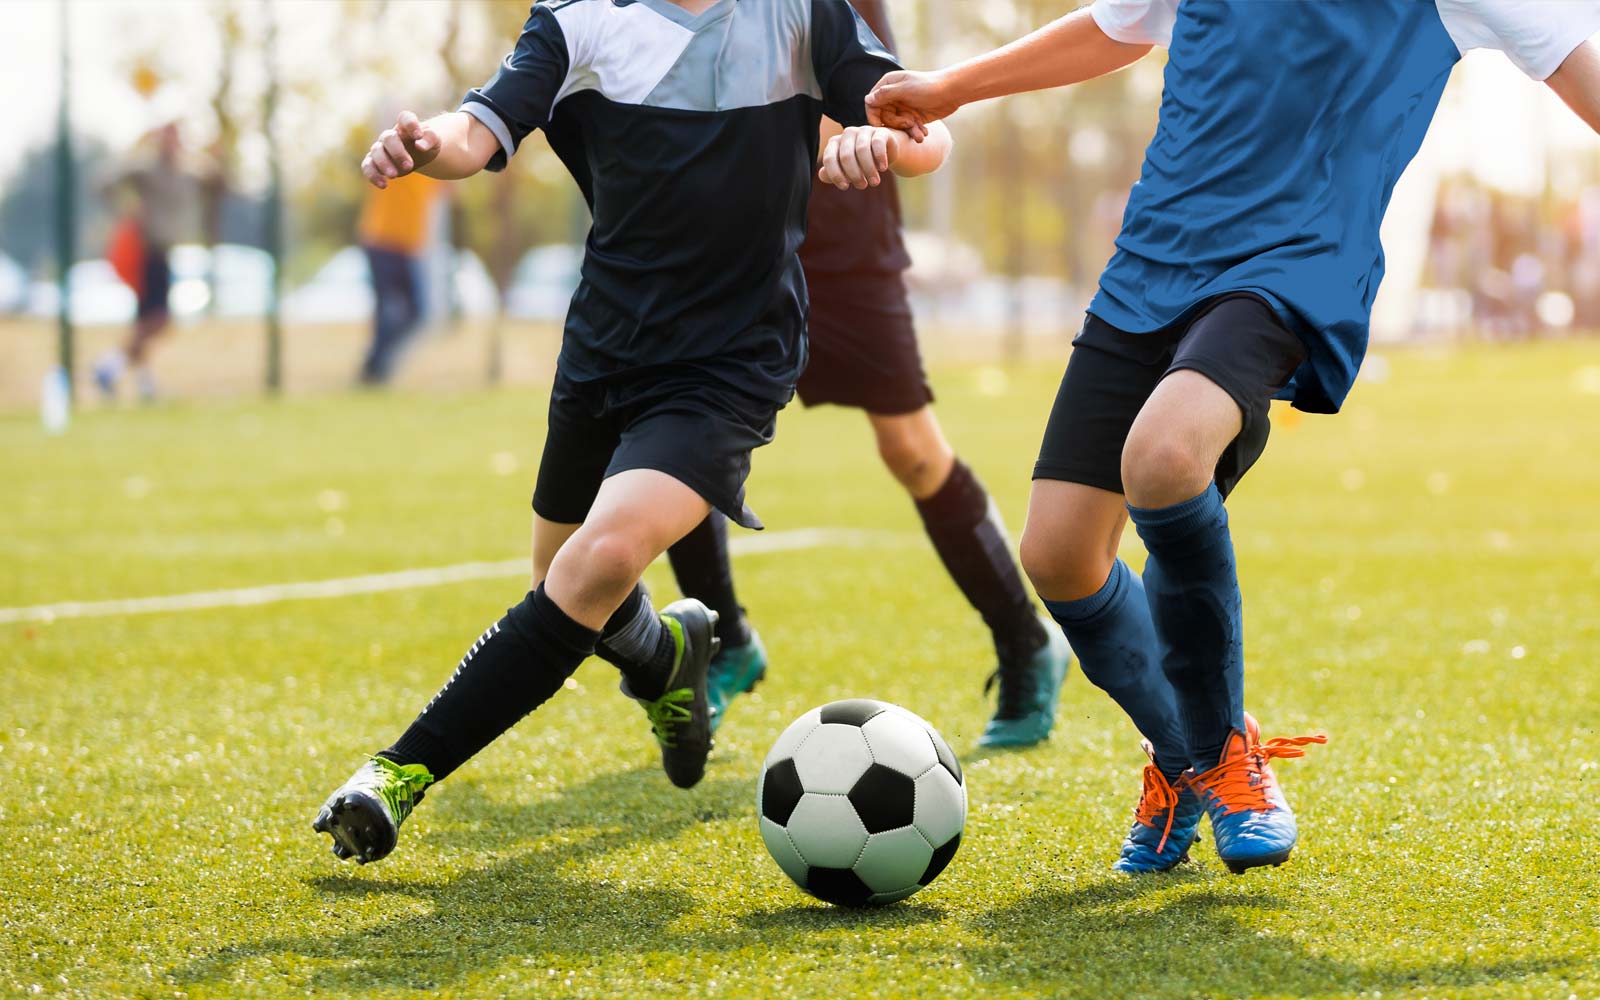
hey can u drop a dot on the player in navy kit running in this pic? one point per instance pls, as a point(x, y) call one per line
point(1246, 269)
point(864, 355)
point(692, 130)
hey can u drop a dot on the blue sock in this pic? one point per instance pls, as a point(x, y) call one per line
point(1112, 634)
point(1193, 585)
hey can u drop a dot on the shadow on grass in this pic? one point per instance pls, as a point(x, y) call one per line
point(1189, 933)
point(519, 906)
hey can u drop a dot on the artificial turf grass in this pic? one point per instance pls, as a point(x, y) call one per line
point(163, 770)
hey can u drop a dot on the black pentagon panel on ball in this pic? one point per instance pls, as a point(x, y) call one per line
point(884, 798)
point(852, 711)
point(839, 886)
point(946, 756)
point(781, 791)
point(941, 858)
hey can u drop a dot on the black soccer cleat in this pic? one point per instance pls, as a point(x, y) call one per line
point(681, 717)
point(363, 815)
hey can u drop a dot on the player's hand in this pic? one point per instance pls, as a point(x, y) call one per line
point(407, 147)
point(909, 101)
point(859, 156)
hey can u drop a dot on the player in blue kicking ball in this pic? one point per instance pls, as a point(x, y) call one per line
point(692, 129)
point(1245, 270)
point(864, 355)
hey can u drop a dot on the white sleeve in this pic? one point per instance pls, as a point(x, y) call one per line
point(1538, 35)
point(1137, 22)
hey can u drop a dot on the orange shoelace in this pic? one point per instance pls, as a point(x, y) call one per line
point(1242, 782)
point(1157, 797)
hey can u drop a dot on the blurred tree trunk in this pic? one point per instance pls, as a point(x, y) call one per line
point(218, 181)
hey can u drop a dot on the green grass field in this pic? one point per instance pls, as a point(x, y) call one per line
point(1422, 578)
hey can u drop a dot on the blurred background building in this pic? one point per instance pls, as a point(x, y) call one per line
point(1494, 232)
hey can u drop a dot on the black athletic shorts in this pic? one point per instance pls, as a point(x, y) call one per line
point(1237, 341)
point(674, 419)
point(863, 345)
point(155, 284)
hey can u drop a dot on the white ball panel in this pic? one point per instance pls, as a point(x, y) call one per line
point(832, 758)
point(882, 898)
point(792, 737)
point(894, 860)
point(900, 743)
point(827, 831)
point(906, 713)
point(941, 809)
point(782, 851)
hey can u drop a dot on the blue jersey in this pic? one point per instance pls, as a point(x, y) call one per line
point(1284, 127)
point(694, 140)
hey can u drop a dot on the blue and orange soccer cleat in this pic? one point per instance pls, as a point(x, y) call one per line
point(1166, 823)
point(1250, 820)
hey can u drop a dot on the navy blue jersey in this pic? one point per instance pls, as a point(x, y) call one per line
point(694, 141)
point(1284, 127)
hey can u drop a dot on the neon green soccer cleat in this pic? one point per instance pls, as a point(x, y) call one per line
point(734, 671)
point(681, 718)
point(364, 814)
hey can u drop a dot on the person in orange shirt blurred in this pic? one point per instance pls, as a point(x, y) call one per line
point(394, 230)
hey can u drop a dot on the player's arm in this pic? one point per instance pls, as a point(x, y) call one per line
point(493, 120)
point(1067, 51)
point(1577, 81)
point(447, 147)
point(858, 157)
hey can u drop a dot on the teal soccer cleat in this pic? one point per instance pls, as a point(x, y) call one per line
point(736, 670)
point(1166, 823)
point(1250, 818)
point(1029, 690)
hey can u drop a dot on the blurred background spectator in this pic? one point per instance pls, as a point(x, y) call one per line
point(156, 198)
point(395, 230)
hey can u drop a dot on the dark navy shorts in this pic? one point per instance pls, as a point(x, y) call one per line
point(1237, 341)
point(674, 419)
point(863, 345)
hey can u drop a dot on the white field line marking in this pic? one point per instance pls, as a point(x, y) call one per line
point(406, 579)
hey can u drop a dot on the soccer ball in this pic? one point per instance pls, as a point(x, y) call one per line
point(861, 803)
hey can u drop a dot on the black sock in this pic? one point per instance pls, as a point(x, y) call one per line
point(636, 643)
point(700, 562)
point(970, 540)
point(512, 669)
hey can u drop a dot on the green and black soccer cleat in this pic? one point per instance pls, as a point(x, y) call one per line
point(364, 814)
point(681, 717)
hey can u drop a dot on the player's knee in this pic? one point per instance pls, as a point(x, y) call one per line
point(1063, 569)
point(1159, 470)
point(611, 559)
point(904, 457)
point(917, 461)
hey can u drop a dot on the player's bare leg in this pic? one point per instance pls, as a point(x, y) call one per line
point(966, 531)
point(1168, 464)
point(524, 658)
point(1069, 550)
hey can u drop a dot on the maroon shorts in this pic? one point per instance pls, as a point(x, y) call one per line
point(863, 345)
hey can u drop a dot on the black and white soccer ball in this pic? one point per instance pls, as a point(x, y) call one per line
point(861, 802)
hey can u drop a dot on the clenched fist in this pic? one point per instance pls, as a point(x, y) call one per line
point(858, 156)
point(401, 150)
